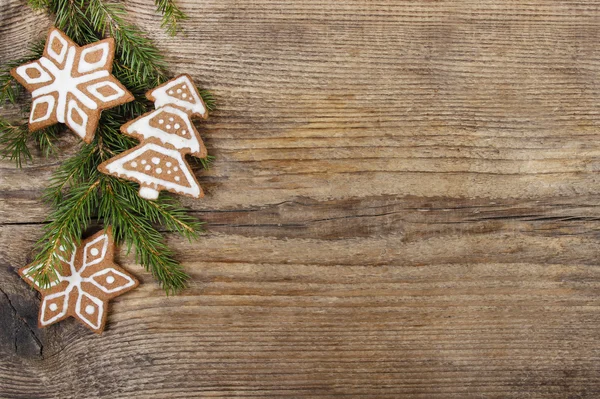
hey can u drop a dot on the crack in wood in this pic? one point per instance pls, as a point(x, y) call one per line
point(36, 339)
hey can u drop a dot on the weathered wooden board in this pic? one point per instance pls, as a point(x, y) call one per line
point(405, 203)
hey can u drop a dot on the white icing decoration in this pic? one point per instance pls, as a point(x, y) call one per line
point(64, 83)
point(134, 164)
point(142, 127)
point(169, 164)
point(155, 160)
point(116, 167)
point(48, 300)
point(53, 307)
point(148, 167)
point(85, 66)
point(56, 36)
point(86, 317)
point(79, 128)
point(102, 240)
point(49, 101)
point(177, 126)
point(163, 96)
point(89, 309)
point(148, 193)
point(168, 126)
point(158, 170)
point(94, 279)
point(118, 91)
point(44, 76)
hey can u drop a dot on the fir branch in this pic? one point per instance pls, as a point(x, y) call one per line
point(134, 49)
point(45, 138)
point(208, 99)
point(67, 222)
point(13, 142)
point(124, 216)
point(171, 15)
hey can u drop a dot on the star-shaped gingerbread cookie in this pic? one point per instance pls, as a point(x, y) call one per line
point(85, 282)
point(71, 84)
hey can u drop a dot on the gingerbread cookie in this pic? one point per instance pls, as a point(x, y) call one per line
point(71, 84)
point(155, 168)
point(166, 135)
point(85, 281)
point(180, 92)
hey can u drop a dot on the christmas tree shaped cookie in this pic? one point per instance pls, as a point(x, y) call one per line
point(84, 283)
point(71, 84)
point(180, 92)
point(166, 135)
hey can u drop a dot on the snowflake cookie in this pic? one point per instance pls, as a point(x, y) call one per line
point(166, 134)
point(71, 84)
point(85, 282)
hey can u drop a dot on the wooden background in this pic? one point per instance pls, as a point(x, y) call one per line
point(405, 204)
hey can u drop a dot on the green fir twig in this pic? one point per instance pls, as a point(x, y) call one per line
point(172, 15)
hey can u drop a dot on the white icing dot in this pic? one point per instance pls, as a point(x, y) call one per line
point(134, 164)
point(177, 178)
point(183, 95)
point(175, 168)
point(170, 91)
point(178, 90)
point(184, 86)
point(168, 126)
point(171, 119)
point(156, 160)
point(110, 279)
point(53, 307)
point(161, 121)
point(89, 309)
point(143, 162)
point(94, 251)
point(169, 164)
point(177, 126)
point(158, 170)
point(183, 132)
point(169, 171)
point(147, 167)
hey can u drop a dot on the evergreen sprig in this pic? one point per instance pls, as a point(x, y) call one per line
point(78, 193)
point(171, 15)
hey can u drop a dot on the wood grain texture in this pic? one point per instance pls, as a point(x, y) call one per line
point(405, 204)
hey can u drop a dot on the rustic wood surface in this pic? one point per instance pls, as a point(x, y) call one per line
point(405, 204)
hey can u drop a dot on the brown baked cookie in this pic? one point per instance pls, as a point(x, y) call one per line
point(171, 127)
point(86, 280)
point(155, 168)
point(71, 84)
point(180, 92)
